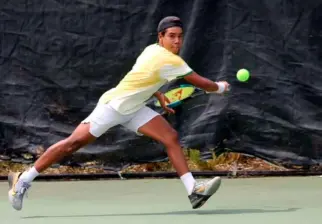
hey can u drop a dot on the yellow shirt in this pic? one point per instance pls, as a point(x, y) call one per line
point(153, 68)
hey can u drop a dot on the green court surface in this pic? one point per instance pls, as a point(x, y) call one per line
point(256, 200)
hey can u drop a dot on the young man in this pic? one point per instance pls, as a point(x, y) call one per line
point(125, 105)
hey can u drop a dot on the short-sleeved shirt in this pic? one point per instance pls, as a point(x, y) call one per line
point(154, 67)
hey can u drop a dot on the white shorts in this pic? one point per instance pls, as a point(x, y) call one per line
point(104, 117)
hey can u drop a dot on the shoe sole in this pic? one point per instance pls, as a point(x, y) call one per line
point(216, 182)
point(13, 178)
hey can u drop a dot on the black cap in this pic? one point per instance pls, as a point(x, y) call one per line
point(169, 21)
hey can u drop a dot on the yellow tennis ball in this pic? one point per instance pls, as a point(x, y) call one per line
point(243, 75)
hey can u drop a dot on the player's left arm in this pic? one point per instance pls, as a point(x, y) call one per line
point(163, 99)
point(206, 84)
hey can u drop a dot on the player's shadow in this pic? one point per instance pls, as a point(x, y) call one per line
point(194, 212)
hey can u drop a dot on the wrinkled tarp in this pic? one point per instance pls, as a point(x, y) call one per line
point(58, 57)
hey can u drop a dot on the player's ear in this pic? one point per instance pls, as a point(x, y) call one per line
point(162, 33)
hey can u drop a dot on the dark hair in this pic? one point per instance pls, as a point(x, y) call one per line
point(167, 22)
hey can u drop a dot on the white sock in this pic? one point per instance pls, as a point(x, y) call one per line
point(29, 176)
point(188, 182)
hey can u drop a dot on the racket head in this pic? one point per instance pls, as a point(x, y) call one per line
point(177, 95)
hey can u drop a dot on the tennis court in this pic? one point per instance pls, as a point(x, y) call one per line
point(254, 200)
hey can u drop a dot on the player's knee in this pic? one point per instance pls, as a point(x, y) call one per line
point(171, 138)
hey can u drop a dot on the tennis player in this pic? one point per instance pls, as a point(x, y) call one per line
point(125, 105)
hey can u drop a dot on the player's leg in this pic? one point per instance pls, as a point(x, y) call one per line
point(55, 153)
point(151, 124)
point(19, 182)
point(98, 122)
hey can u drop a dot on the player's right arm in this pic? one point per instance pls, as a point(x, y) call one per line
point(206, 84)
point(175, 67)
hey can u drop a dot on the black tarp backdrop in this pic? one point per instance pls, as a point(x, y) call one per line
point(57, 57)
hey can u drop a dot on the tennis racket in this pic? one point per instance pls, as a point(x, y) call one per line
point(180, 94)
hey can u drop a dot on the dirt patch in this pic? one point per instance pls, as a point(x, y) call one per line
point(6, 167)
point(225, 162)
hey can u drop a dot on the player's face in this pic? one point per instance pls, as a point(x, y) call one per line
point(172, 39)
